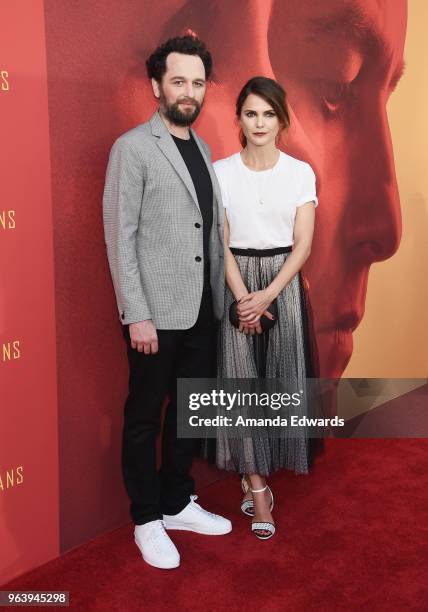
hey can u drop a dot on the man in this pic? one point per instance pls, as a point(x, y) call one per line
point(164, 236)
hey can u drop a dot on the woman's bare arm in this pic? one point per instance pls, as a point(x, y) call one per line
point(253, 305)
point(234, 280)
point(232, 273)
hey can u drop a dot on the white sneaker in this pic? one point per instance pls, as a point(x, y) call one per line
point(156, 546)
point(194, 518)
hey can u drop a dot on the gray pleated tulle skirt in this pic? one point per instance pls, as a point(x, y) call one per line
point(286, 352)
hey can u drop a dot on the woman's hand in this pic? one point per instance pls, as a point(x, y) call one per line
point(248, 328)
point(251, 328)
point(252, 306)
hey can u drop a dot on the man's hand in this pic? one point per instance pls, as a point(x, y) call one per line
point(144, 337)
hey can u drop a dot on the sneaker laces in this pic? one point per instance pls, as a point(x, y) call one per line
point(198, 507)
point(158, 533)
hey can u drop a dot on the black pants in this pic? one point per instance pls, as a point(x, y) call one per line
point(186, 353)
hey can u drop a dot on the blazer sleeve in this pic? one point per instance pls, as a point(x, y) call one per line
point(122, 200)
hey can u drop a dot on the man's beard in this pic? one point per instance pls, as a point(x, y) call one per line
point(173, 113)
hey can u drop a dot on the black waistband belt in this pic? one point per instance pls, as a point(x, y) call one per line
point(261, 252)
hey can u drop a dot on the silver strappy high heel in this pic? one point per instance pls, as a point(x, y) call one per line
point(258, 526)
point(247, 506)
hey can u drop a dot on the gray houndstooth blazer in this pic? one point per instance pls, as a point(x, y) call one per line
point(150, 209)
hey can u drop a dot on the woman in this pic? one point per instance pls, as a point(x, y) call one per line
point(269, 199)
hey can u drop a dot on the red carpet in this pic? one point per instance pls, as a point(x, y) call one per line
point(351, 536)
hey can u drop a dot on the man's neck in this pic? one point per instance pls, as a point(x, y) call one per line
point(176, 130)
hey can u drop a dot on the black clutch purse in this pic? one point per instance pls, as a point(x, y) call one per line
point(265, 323)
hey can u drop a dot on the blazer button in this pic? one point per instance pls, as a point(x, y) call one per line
point(198, 225)
point(123, 315)
point(197, 258)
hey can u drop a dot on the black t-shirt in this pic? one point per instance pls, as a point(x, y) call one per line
point(203, 186)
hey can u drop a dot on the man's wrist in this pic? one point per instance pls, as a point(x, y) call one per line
point(142, 321)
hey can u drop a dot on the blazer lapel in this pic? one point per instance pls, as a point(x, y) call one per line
point(167, 145)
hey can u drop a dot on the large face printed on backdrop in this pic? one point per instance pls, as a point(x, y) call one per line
point(339, 62)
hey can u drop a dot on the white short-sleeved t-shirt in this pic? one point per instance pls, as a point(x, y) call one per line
point(261, 206)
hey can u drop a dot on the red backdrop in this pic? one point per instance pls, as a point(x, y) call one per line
point(337, 85)
point(339, 63)
point(28, 416)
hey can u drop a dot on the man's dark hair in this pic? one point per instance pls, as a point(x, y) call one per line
point(188, 45)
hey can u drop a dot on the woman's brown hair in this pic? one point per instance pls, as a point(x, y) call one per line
point(272, 93)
